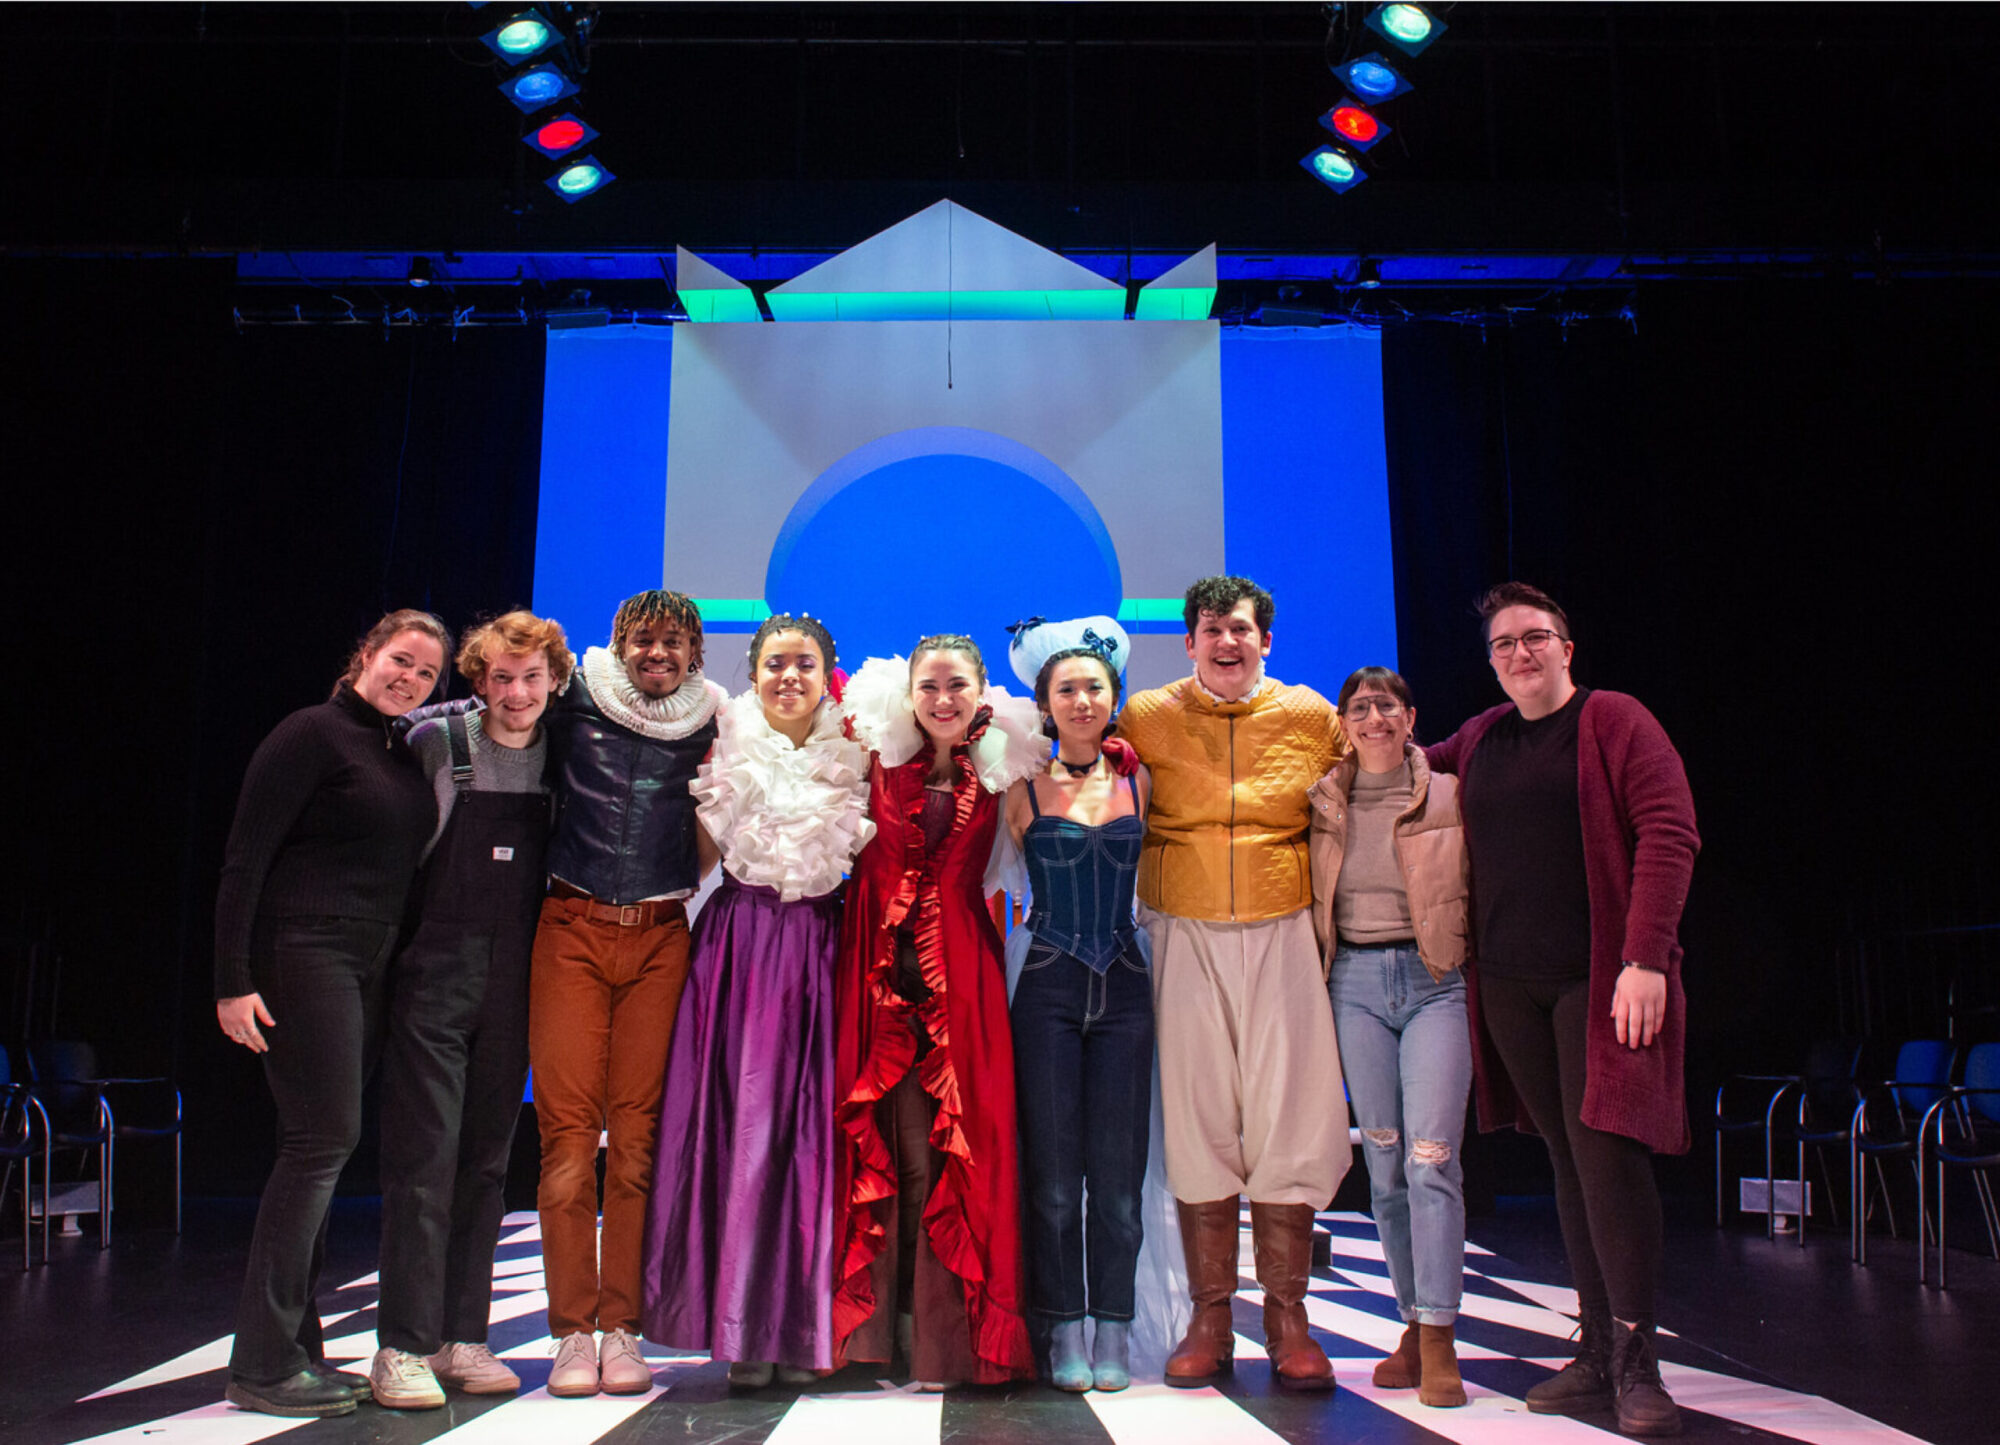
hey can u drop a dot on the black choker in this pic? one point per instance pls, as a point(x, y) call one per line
point(1077, 770)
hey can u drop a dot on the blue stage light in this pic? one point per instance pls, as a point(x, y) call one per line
point(520, 36)
point(1410, 28)
point(1371, 78)
point(1334, 168)
point(536, 87)
point(585, 176)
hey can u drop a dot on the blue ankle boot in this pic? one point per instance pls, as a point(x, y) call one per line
point(1068, 1367)
point(1110, 1359)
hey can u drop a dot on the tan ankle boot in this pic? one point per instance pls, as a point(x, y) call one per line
point(1401, 1370)
point(1441, 1386)
point(1283, 1237)
point(1209, 1233)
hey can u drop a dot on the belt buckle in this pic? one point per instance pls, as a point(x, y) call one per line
point(631, 915)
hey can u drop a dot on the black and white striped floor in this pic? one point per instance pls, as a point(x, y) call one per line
point(1511, 1332)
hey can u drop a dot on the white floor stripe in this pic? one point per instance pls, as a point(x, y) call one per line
point(1558, 1297)
point(516, 1217)
point(1376, 1332)
point(529, 1231)
point(891, 1415)
point(538, 1418)
point(374, 1277)
point(360, 1346)
point(1474, 1306)
point(1782, 1412)
point(216, 1424)
point(1161, 1415)
point(198, 1361)
point(537, 1280)
point(1487, 1417)
point(513, 1306)
point(526, 1264)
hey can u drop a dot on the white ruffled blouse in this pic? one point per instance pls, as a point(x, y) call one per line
point(784, 817)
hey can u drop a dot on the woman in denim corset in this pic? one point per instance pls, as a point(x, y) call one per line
point(1083, 1006)
point(1389, 890)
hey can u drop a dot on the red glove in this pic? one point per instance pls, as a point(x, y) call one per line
point(1124, 758)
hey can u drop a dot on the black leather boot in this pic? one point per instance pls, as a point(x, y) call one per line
point(1584, 1384)
point(1644, 1406)
point(302, 1395)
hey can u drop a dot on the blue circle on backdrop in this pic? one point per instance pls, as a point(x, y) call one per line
point(941, 529)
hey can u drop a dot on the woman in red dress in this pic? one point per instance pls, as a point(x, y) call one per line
point(929, 1262)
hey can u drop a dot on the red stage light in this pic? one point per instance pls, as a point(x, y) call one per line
point(1356, 124)
point(559, 135)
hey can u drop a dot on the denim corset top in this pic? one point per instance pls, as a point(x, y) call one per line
point(1083, 878)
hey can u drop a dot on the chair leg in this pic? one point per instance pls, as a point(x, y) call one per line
point(1983, 1187)
point(1718, 1178)
point(177, 1183)
point(1944, 1246)
point(1803, 1211)
point(1888, 1204)
point(104, 1194)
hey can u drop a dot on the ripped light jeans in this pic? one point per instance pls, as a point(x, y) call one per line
point(1407, 1057)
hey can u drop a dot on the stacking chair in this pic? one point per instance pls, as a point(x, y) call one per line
point(1749, 1104)
point(24, 1134)
point(79, 1115)
point(1962, 1131)
point(1886, 1124)
point(1828, 1095)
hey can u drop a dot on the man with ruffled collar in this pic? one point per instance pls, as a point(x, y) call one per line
point(611, 960)
point(1249, 1070)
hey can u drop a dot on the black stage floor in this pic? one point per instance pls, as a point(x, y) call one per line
point(1769, 1343)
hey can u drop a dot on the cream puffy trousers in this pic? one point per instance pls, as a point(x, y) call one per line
point(1249, 1067)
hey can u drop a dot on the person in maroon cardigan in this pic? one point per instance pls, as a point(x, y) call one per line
point(1582, 838)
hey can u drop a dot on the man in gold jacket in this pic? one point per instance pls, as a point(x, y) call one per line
point(1249, 1071)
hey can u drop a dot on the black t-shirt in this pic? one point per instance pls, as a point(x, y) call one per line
point(1531, 898)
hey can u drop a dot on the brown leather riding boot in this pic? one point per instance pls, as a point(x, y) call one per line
point(1283, 1235)
point(1402, 1370)
point(1209, 1234)
point(1441, 1387)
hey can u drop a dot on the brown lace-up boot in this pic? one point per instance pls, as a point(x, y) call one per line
point(1282, 1234)
point(1209, 1233)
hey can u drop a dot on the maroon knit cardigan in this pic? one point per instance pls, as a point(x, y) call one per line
point(1639, 843)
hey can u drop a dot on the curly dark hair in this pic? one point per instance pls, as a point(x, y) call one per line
point(785, 622)
point(1518, 594)
point(655, 606)
point(1219, 595)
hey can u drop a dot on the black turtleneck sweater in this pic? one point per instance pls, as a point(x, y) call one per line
point(332, 821)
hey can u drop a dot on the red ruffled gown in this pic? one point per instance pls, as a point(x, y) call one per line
point(968, 1289)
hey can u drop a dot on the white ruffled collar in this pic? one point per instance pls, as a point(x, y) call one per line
point(877, 703)
point(1220, 701)
point(664, 719)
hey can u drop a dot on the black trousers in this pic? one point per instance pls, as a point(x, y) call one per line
point(322, 980)
point(1607, 1199)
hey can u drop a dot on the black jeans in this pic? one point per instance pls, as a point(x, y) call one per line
point(321, 979)
point(1607, 1199)
point(1083, 1088)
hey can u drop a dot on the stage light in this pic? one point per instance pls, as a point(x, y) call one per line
point(558, 137)
point(1410, 28)
point(585, 176)
point(1371, 78)
point(420, 271)
point(1355, 124)
point(536, 87)
point(1368, 274)
point(520, 36)
point(1334, 168)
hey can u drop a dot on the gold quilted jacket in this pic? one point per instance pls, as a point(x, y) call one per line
point(1226, 835)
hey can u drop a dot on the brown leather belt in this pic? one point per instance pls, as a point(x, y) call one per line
point(624, 915)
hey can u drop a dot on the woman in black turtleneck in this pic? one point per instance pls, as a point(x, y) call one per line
point(330, 826)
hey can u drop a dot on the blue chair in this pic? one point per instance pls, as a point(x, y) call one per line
point(1887, 1123)
point(1830, 1068)
point(78, 1113)
point(1962, 1131)
point(24, 1134)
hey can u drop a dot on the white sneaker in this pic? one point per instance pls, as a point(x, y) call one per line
point(474, 1369)
point(575, 1372)
point(621, 1369)
point(403, 1381)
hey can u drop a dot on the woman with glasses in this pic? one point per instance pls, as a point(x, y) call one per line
point(1389, 905)
point(1581, 833)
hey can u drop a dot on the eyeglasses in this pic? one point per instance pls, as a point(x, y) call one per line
point(1359, 708)
point(1535, 641)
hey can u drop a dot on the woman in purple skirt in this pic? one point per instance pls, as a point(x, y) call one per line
point(740, 1232)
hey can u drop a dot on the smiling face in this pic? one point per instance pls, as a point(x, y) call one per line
point(945, 688)
point(657, 656)
point(791, 679)
point(400, 674)
point(515, 690)
point(1378, 735)
point(1081, 698)
point(1537, 680)
point(1228, 651)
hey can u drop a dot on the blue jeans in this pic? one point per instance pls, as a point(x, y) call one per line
point(1407, 1057)
point(1083, 1072)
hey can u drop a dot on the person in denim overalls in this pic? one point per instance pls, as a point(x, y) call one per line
point(1082, 1010)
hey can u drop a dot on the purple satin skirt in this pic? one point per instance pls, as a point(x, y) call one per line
point(740, 1229)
